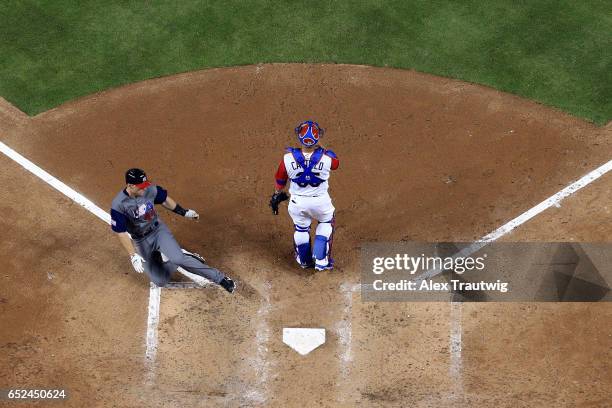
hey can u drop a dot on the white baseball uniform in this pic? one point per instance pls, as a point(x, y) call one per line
point(309, 173)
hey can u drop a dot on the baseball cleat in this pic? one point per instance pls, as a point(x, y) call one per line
point(306, 265)
point(228, 284)
point(194, 255)
point(329, 266)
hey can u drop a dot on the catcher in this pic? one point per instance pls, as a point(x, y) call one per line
point(309, 169)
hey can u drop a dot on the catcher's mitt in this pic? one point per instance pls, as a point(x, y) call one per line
point(276, 199)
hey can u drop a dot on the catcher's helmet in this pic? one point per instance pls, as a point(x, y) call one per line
point(309, 133)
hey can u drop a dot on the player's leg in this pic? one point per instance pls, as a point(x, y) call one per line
point(165, 263)
point(323, 245)
point(324, 213)
point(153, 265)
point(301, 243)
point(171, 249)
point(160, 272)
point(301, 234)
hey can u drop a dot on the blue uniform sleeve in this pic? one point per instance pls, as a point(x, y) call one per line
point(118, 221)
point(161, 195)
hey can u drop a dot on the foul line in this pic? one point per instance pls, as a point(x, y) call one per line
point(154, 291)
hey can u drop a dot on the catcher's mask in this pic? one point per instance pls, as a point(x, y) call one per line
point(309, 133)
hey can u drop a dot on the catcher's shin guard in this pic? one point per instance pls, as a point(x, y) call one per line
point(301, 242)
point(323, 244)
point(303, 255)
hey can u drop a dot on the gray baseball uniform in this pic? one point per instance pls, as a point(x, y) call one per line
point(137, 216)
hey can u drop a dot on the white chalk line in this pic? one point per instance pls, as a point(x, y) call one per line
point(152, 325)
point(344, 331)
point(255, 392)
point(455, 346)
point(154, 291)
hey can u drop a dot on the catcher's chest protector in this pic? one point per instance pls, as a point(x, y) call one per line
point(308, 176)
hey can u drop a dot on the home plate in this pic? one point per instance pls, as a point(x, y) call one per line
point(303, 340)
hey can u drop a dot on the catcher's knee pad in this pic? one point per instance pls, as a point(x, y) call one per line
point(322, 244)
point(301, 235)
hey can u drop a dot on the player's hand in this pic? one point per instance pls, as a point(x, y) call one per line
point(137, 263)
point(277, 198)
point(192, 214)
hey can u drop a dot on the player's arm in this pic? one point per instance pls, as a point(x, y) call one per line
point(126, 242)
point(280, 177)
point(135, 258)
point(167, 202)
point(119, 225)
point(175, 207)
point(279, 195)
point(334, 158)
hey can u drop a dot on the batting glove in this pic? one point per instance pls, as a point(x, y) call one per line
point(192, 214)
point(137, 263)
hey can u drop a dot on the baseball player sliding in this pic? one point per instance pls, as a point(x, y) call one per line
point(145, 237)
point(309, 169)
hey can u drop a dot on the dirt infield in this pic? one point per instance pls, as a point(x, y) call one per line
point(422, 158)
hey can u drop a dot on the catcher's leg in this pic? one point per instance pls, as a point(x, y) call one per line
point(301, 235)
point(323, 211)
point(301, 242)
point(323, 245)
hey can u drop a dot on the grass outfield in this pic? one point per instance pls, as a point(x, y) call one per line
point(557, 52)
